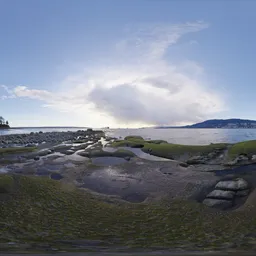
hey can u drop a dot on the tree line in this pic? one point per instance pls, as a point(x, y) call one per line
point(3, 122)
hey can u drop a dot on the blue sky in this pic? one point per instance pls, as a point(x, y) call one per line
point(126, 63)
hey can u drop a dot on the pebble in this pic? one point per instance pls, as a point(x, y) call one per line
point(69, 152)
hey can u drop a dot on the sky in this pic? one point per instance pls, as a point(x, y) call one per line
point(126, 63)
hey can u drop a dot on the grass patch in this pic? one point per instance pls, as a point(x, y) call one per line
point(6, 184)
point(245, 147)
point(16, 150)
point(41, 210)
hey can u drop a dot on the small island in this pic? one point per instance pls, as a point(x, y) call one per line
point(4, 124)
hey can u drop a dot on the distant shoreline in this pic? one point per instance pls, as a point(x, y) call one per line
point(4, 126)
point(198, 128)
point(47, 127)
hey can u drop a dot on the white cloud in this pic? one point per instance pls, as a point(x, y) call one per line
point(141, 87)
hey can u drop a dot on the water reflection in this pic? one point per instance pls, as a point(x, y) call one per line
point(107, 161)
point(139, 153)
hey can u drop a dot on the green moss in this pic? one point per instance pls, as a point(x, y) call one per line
point(133, 137)
point(16, 150)
point(169, 150)
point(157, 141)
point(127, 143)
point(41, 210)
point(245, 147)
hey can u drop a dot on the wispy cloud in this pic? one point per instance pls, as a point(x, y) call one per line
point(8, 93)
point(145, 88)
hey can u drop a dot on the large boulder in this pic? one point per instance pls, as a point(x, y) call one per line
point(234, 185)
point(196, 160)
point(254, 158)
point(221, 194)
point(242, 193)
point(212, 155)
point(44, 152)
point(241, 159)
point(218, 203)
point(69, 152)
point(84, 154)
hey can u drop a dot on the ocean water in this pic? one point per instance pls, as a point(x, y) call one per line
point(179, 136)
point(37, 129)
point(189, 136)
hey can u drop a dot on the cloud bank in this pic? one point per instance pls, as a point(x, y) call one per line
point(141, 86)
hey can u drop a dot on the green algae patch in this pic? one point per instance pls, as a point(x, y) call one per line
point(157, 141)
point(16, 150)
point(133, 137)
point(168, 150)
point(128, 143)
point(245, 147)
point(117, 153)
point(41, 210)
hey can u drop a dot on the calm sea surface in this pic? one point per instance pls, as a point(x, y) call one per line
point(180, 136)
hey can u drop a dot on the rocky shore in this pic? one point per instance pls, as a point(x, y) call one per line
point(179, 194)
point(37, 138)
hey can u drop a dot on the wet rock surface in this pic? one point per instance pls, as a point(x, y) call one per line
point(233, 185)
point(221, 194)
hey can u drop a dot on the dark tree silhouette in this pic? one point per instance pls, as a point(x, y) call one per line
point(2, 120)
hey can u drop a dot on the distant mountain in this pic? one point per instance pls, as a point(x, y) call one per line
point(219, 123)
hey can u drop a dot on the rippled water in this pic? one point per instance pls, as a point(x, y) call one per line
point(180, 136)
point(188, 136)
